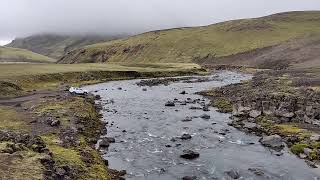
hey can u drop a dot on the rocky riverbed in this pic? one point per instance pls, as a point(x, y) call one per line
point(169, 132)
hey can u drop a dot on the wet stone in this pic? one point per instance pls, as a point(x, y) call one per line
point(234, 174)
point(170, 104)
point(186, 137)
point(205, 116)
point(189, 178)
point(189, 154)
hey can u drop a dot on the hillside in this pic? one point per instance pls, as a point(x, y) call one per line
point(198, 44)
point(55, 46)
point(21, 55)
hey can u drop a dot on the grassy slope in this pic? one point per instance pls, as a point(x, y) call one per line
point(55, 46)
point(21, 55)
point(188, 44)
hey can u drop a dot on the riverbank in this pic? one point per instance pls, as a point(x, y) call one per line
point(275, 104)
point(46, 133)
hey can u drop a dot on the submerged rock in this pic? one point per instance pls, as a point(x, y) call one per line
point(189, 154)
point(234, 174)
point(170, 103)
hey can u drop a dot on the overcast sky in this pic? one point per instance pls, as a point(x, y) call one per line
point(20, 18)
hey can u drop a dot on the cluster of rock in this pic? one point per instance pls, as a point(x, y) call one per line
point(286, 108)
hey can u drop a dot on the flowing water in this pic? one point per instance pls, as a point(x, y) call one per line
point(144, 127)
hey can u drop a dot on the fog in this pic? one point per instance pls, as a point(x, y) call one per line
point(19, 18)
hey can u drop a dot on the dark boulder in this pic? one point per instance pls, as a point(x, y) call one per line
point(189, 154)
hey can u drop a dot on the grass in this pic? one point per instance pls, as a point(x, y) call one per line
point(187, 44)
point(11, 119)
point(8, 54)
point(22, 165)
point(14, 70)
point(223, 105)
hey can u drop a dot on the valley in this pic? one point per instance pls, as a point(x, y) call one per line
point(234, 100)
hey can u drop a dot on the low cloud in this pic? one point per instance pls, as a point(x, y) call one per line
point(20, 18)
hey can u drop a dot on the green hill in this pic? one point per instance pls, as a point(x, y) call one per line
point(55, 46)
point(8, 54)
point(198, 43)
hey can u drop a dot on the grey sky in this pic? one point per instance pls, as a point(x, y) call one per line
point(25, 17)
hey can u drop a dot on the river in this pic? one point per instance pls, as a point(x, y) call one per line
point(147, 135)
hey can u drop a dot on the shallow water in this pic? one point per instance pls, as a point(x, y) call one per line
point(150, 126)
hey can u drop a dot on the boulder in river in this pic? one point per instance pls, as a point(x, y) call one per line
point(183, 92)
point(170, 103)
point(234, 174)
point(205, 116)
point(186, 137)
point(189, 178)
point(105, 142)
point(189, 154)
point(273, 141)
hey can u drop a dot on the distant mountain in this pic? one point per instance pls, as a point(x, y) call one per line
point(55, 46)
point(8, 54)
point(214, 44)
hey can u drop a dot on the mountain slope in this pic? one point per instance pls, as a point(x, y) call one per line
point(55, 46)
point(8, 54)
point(193, 44)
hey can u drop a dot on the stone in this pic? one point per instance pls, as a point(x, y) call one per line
point(109, 139)
point(60, 171)
point(205, 116)
point(189, 178)
point(307, 151)
point(183, 92)
point(170, 103)
point(189, 154)
point(273, 141)
point(186, 137)
point(315, 137)
point(256, 171)
point(205, 108)
point(234, 174)
point(311, 164)
point(254, 113)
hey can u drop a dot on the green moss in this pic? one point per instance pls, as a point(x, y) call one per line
point(314, 155)
point(223, 104)
point(289, 129)
point(298, 148)
point(61, 154)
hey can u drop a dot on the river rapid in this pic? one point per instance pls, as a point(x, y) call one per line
point(147, 135)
